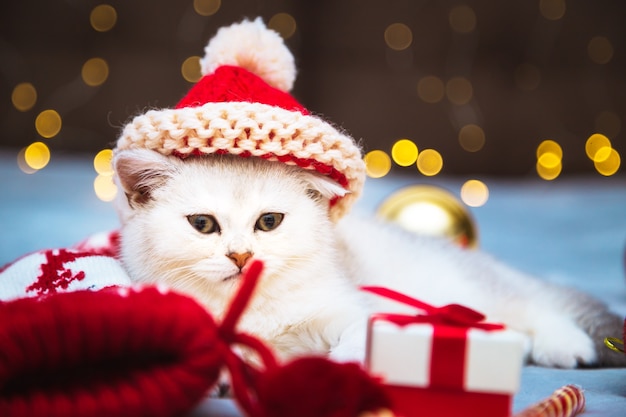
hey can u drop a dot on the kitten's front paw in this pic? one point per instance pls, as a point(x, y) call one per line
point(351, 346)
point(345, 352)
point(562, 345)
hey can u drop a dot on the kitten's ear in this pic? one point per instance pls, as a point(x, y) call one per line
point(320, 186)
point(140, 171)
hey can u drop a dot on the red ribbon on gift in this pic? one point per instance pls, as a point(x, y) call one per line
point(450, 326)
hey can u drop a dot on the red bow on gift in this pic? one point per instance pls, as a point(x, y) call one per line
point(451, 314)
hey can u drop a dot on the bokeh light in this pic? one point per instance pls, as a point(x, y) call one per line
point(549, 160)
point(24, 96)
point(429, 162)
point(474, 193)
point(48, 123)
point(377, 163)
point(549, 173)
point(527, 77)
point(610, 164)
point(103, 17)
point(549, 146)
point(283, 23)
point(472, 138)
point(552, 9)
point(594, 146)
point(600, 50)
point(95, 72)
point(608, 123)
point(398, 36)
point(462, 19)
point(206, 7)
point(430, 89)
point(404, 152)
point(191, 69)
point(104, 187)
point(102, 162)
point(459, 90)
point(37, 155)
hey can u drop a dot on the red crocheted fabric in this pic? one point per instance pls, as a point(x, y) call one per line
point(235, 84)
point(105, 353)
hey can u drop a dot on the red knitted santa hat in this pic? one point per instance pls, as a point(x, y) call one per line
point(242, 106)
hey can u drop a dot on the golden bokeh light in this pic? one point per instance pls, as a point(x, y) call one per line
point(21, 162)
point(549, 146)
point(103, 17)
point(398, 36)
point(24, 96)
point(459, 90)
point(191, 69)
point(608, 123)
point(610, 164)
point(206, 7)
point(474, 193)
point(102, 162)
point(429, 162)
point(594, 144)
point(377, 163)
point(48, 123)
point(600, 50)
point(283, 23)
point(549, 160)
point(602, 154)
point(552, 9)
point(472, 138)
point(462, 19)
point(549, 173)
point(95, 72)
point(37, 155)
point(404, 152)
point(527, 77)
point(104, 187)
point(430, 89)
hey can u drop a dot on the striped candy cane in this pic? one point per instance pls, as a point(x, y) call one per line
point(567, 401)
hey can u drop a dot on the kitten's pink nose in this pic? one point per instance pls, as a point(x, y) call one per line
point(239, 259)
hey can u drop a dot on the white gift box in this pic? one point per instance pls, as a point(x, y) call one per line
point(402, 355)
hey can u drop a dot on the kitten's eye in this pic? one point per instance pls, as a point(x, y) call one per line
point(203, 223)
point(269, 221)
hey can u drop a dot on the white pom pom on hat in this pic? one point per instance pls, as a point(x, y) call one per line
point(242, 106)
point(252, 46)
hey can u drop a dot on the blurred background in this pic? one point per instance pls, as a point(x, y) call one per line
point(469, 88)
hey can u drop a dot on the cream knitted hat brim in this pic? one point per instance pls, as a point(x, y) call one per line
point(236, 108)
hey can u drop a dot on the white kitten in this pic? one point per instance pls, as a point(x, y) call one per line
point(194, 224)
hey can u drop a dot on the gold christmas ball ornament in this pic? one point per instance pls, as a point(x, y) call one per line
point(431, 210)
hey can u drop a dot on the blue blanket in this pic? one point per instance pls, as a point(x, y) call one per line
point(570, 231)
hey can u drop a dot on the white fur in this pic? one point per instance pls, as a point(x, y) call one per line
point(251, 45)
point(307, 300)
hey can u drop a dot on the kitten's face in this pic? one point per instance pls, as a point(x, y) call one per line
point(195, 224)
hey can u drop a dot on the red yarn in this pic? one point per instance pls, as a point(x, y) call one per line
point(99, 353)
point(317, 387)
point(235, 84)
point(311, 164)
